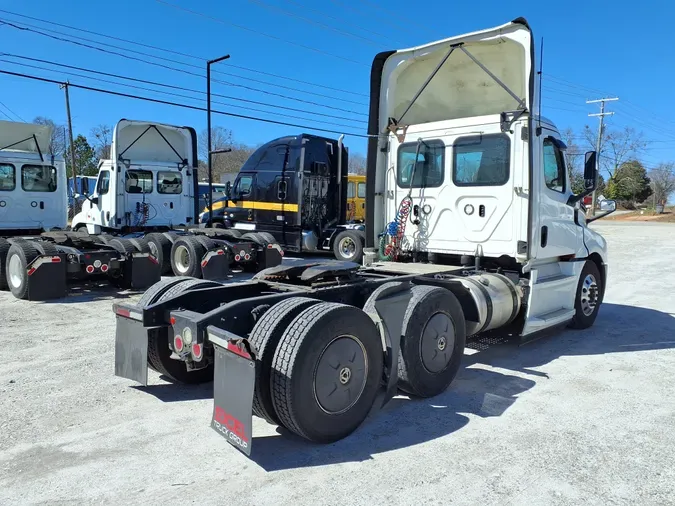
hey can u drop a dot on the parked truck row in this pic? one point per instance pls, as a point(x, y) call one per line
point(471, 227)
point(139, 223)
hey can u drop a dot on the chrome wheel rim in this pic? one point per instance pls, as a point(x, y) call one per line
point(589, 295)
point(153, 248)
point(15, 271)
point(347, 247)
point(181, 259)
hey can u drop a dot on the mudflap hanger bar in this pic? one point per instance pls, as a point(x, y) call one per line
point(395, 124)
point(183, 161)
point(235, 366)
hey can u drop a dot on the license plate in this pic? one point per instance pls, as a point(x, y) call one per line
point(245, 226)
point(233, 385)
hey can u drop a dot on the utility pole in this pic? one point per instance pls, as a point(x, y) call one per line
point(70, 134)
point(598, 144)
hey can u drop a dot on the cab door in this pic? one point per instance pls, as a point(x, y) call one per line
point(243, 198)
point(558, 234)
point(42, 201)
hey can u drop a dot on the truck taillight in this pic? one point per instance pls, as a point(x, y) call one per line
point(90, 269)
point(197, 351)
point(104, 268)
point(178, 343)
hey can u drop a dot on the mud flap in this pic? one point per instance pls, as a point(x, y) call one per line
point(46, 278)
point(216, 264)
point(233, 386)
point(131, 346)
point(271, 256)
point(141, 271)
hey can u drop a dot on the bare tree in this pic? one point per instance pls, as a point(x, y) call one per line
point(663, 182)
point(224, 163)
point(616, 146)
point(57, 142)
point(103, 135)
point(357, 164)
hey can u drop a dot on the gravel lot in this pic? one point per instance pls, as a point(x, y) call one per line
point(579, 417)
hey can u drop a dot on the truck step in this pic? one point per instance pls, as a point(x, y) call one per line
point(547, 320)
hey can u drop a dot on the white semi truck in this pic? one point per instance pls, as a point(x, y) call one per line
point(471, 226)
point(137, 224)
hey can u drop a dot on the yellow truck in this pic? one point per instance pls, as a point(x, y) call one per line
point(356, 197)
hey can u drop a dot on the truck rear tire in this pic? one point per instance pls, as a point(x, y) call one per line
point(122, 245)
point(4, 249)
point(589, 297)
point(20, 254)
point(255, 238)
point(153, 294)
point(348, 247)
point(186, 256)
point(160, 247)
point(46, 248)
point(141, 244)
point(268, 237)
point(432, 346)
point(265, 337)
point(159, 353)
point(311, 396)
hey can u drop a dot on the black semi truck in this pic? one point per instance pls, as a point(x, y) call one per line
point(294, 188)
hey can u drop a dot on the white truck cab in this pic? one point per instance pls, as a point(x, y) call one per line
point(33, 188)
point(460, 164)
point(149, 182)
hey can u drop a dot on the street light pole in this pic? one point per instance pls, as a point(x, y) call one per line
point(208, 127)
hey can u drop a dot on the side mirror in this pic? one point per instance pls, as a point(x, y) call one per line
point(228, 189)
point(590, 171)
point(93, 200)
point(85, 186)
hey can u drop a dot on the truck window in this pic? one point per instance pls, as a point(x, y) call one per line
point(38, 178)
point(103, 183)
point(243, 186)
point(138, 181)
point(350, 190)
point(361, 191)
point(170, 182)
point(7, 177)
point(481, 160)
point(429, 169)
point(554, 166)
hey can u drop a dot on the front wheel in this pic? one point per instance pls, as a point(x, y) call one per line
point(348, 247)
point(588, 297)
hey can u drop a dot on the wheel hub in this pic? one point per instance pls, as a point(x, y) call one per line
point(182, 259)
point(589, 295)
point(15, 271)
point(340, 375)
point(437, 343)
point(347, 247)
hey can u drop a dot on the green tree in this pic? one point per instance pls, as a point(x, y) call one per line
point(630, 184)
point(85, 158)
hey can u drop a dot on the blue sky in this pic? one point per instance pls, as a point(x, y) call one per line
point(590, 50)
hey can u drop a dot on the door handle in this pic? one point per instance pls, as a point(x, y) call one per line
point(544, 236)
point(42, 205)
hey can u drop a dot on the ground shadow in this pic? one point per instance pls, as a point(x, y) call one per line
point(177, 392)
point(406, 422)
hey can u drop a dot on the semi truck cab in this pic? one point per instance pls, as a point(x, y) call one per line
point(149, 182)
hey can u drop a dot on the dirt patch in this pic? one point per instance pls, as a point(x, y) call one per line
point(665, 217)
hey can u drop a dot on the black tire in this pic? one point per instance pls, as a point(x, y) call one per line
point(232, 232)
point(415, 376)
point(122, 245)
point(268, 237)
point(207, 242)
point(4, 249)
point(160, 247)
point(588, 297)
point(348, 241)
point(265, 337)
point(297, 364)
point(141, 244)
point(159, 353)
point(189, 252)
point(255, 238)
point(46, 248)
point(217, 224)
point(24, 252)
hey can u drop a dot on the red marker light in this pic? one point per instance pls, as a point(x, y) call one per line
point(56, 260)
point(172, 320)
point(90, 269)
point(31, 271)
point(178, 343)
point(197, 351)
point(104, 268)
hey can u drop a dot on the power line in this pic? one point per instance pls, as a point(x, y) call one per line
point(177, 104)
point(311, 21)
point(274, 37)
point(15, 114)
point(322, 13)
point(181, 88)
point(6, 115)
point(186, 55)
point(37, 30)
point(96, 79)
point(406, 21)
